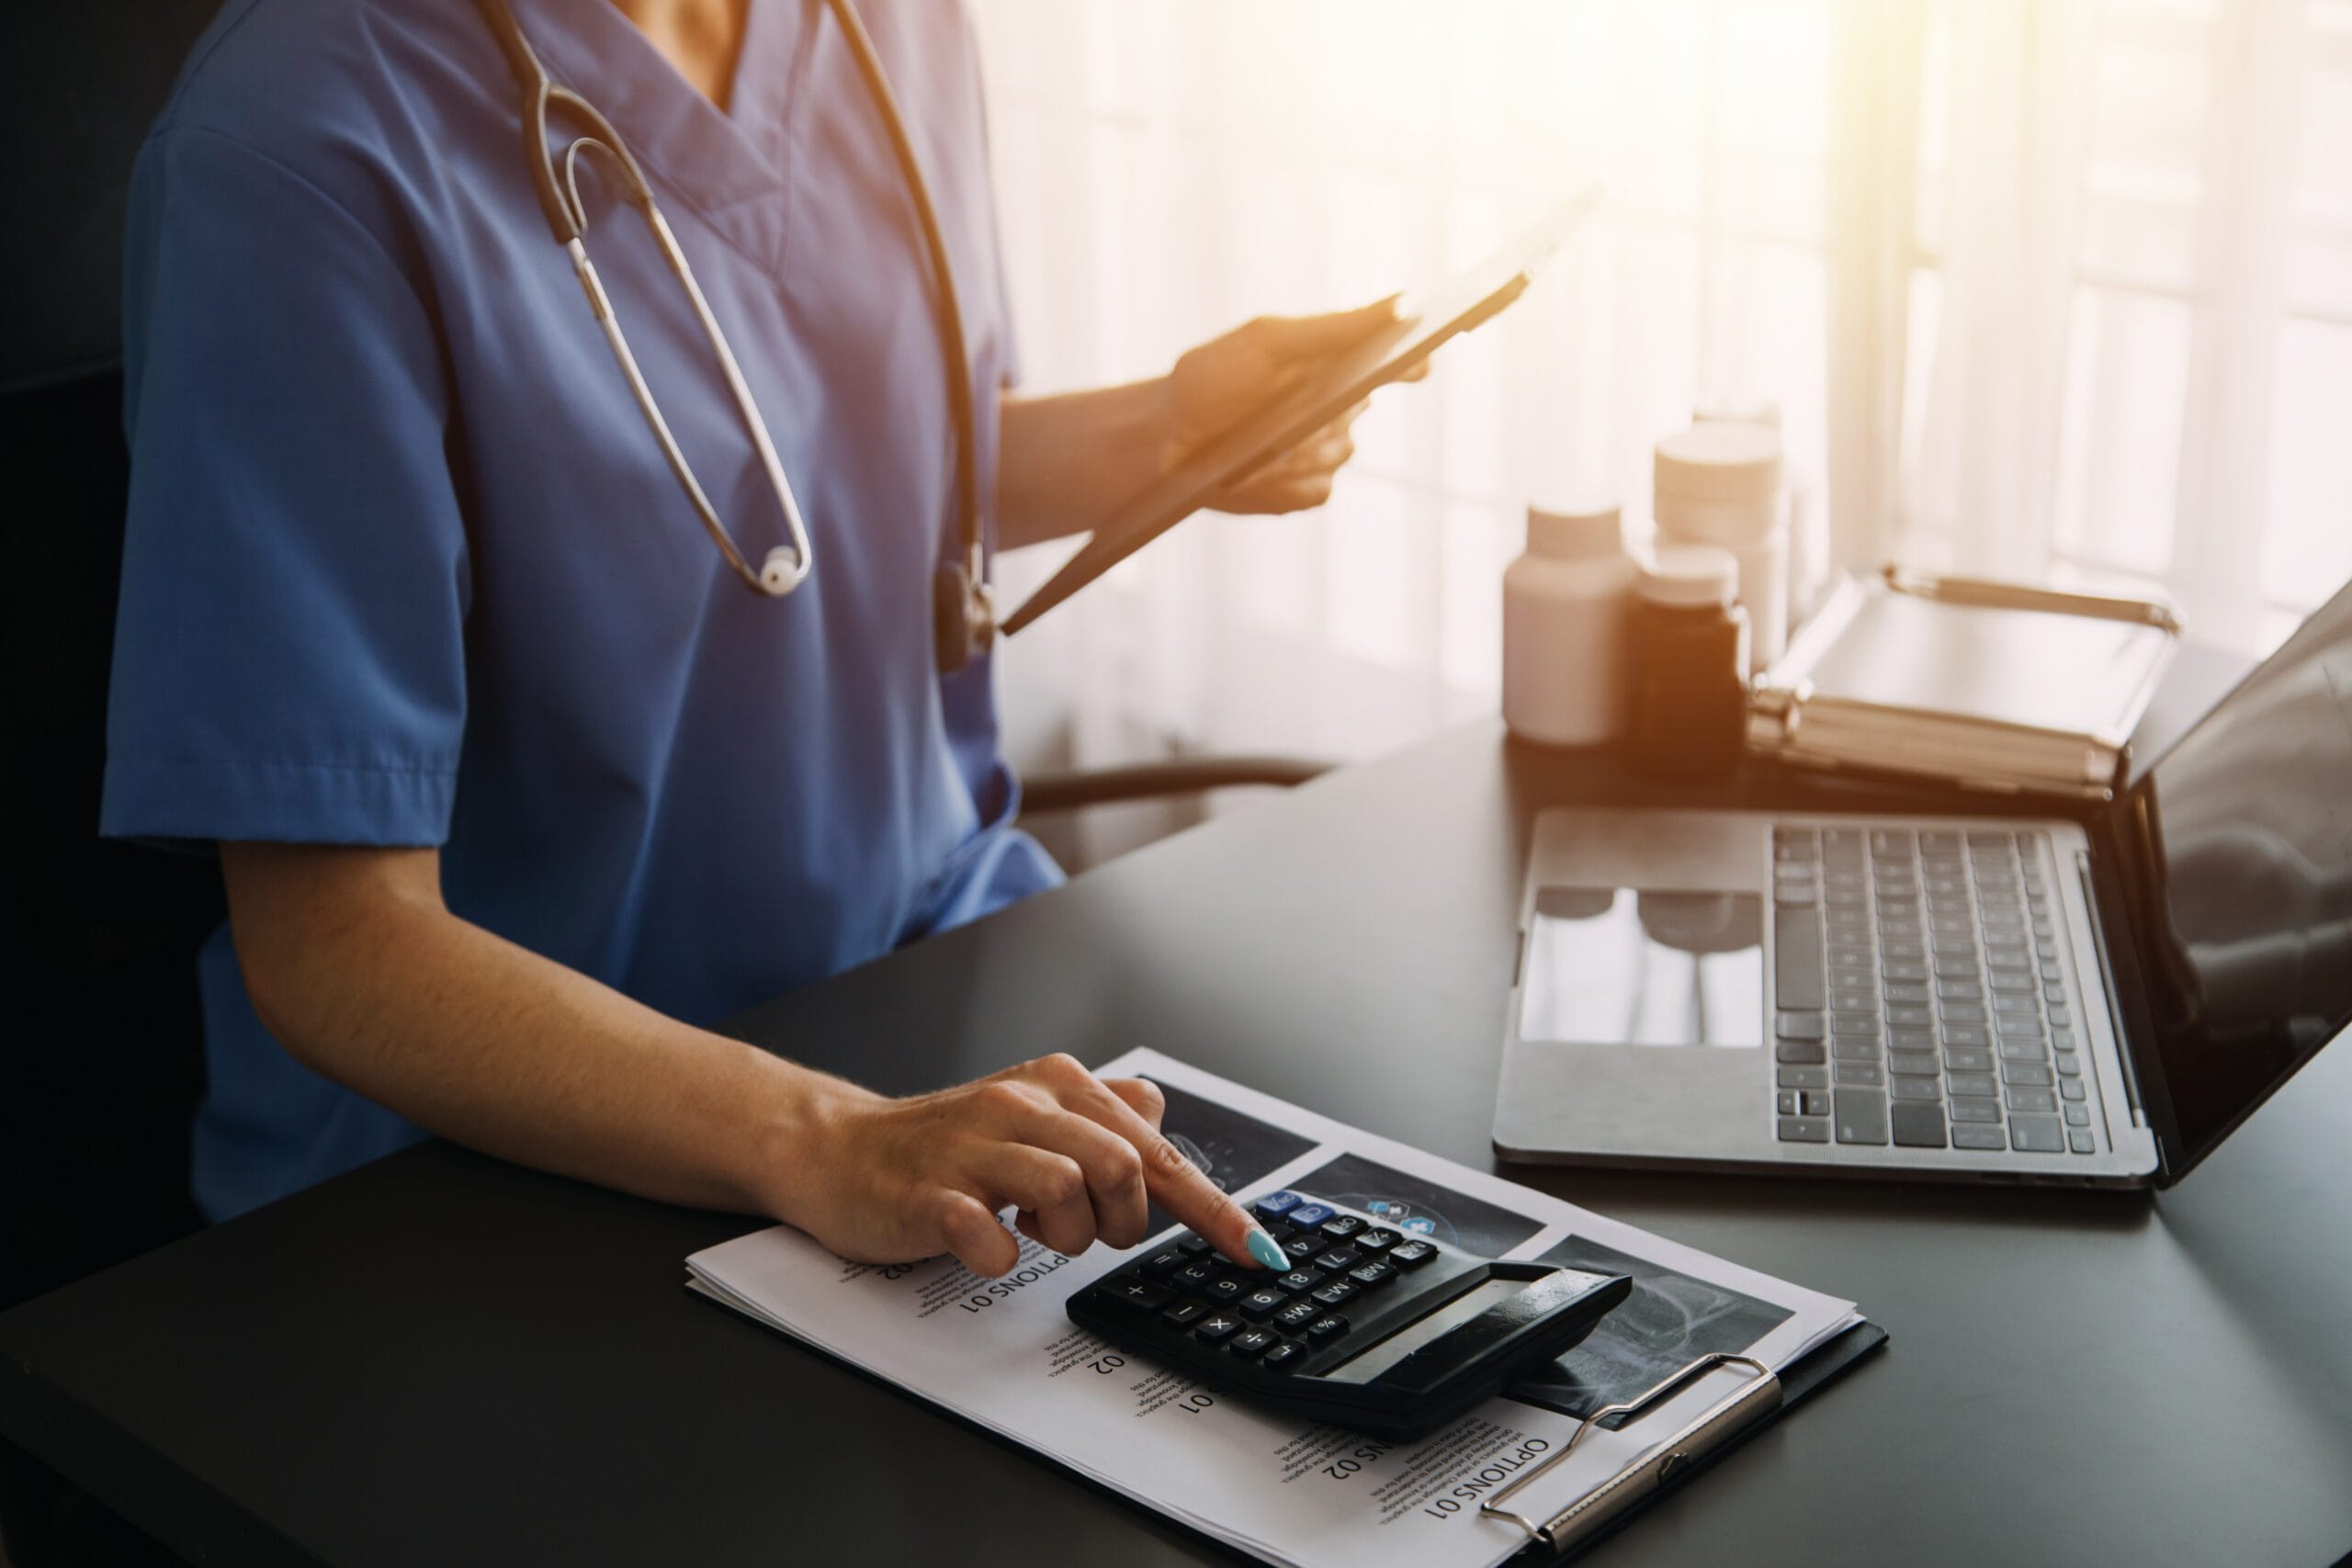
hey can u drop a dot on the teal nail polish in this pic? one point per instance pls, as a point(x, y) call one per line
point(1263, 1248)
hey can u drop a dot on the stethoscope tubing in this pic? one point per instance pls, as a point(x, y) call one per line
point(787, 567)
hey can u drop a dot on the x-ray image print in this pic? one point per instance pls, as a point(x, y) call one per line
point(1413, 1205)
point(1231, 1149)
point(1669, 1321)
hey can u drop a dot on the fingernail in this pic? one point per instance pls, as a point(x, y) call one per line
point(1263, 1248)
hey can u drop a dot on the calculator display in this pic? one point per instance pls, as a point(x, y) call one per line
point(1377, 1358)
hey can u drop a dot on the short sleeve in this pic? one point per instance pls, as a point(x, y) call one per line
point(289, 658)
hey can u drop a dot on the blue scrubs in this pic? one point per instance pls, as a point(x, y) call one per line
point(404, 566)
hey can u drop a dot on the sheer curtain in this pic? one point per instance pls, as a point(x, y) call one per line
point(2053, 288)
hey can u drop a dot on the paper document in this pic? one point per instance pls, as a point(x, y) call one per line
point(1001, 1353)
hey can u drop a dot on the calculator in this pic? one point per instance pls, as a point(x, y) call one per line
point(1374, 1329)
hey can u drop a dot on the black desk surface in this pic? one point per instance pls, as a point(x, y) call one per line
point(442, 1359)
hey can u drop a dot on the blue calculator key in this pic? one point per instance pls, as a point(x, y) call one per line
point(1274, 1205)
point(1307, 1216)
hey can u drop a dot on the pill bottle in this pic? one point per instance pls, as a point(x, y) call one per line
point(1721, 484)
point(1568, 604)
point(1808, 525)
point(1690, 646)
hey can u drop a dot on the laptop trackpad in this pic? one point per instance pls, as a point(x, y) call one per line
point(1643, 966)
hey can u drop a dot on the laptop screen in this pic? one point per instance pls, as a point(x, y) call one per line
point(2248, 826)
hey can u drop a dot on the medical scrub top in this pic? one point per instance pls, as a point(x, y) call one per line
point(404, 565)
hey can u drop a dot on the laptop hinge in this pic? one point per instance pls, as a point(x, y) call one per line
point(2106, 983)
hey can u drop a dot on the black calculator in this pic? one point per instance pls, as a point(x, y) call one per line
point(1372, 1327)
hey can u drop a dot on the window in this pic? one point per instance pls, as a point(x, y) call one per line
point(2045, 290)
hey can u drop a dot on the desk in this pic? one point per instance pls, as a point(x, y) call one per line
point(442, 1359)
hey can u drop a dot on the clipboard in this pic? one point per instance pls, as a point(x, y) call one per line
point(1723, 1426)
point(1556, 1536)
point(1466, 302)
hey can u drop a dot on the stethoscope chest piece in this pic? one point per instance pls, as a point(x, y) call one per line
point(963, 616)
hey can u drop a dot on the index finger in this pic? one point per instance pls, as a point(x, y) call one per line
point(1312, 337)
point(1177, 1185)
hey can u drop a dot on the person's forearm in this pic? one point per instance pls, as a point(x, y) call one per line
point(488, 1043)
point(1066, 461)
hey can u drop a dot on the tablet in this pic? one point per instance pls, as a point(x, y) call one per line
point(1388, 354)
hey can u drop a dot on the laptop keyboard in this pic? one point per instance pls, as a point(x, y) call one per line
point(1918, 997)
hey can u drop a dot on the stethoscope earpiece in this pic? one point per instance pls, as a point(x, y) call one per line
point(781, 573)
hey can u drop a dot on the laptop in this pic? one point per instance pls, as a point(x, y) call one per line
point(1960, 997)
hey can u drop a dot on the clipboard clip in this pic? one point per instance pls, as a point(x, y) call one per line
point(1754, 1399)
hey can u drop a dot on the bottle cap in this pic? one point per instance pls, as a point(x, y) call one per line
point(1574, 529)
point(1690, 575)
point(1736, 408)
point(1716, 462)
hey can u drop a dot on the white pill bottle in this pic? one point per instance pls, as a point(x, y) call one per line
point(1567, 624)
point(1721, 484)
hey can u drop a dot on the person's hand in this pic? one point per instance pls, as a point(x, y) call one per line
point(1222, 382)
point(881, 1181)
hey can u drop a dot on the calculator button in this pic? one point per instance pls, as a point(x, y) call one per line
point(1370, 1274)
point(1302, 1247)
point(1257, 1304)
point(1411, 1254)
point(1298, 1314)
point(1289, 1353)
point(1375, 1240)
point(1274, 1205)
point(1165, 1262)
point(1193, 1246)
point(1192, 1276)
point(1339, 1261)
point(1253, 1342)
point(1307, 1216)
point(1139, 1295)
point(1323, 1330)
point(1224, 1291)
point(1299, 1280)
point(1183, 1315)
point(1343, 1227)
point(1218, 1325)
point(1335, 1293)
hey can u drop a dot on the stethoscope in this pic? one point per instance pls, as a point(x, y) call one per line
point(963, 608)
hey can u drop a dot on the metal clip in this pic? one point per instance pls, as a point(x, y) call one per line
point(1715, 1425)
